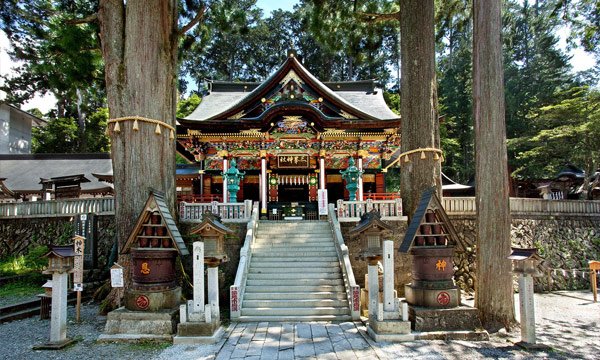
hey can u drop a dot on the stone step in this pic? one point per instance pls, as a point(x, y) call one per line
point(291, 236)
point(296, 282)
point(293, 288)
point(272, 240)
point(294, 295)
point(315, 246)
point(295, 311)
point(294, 253)
point(294, 318)
point(289, 303)
point(303, 223)
point(263, 258)
point(278, 263)
point(255, 275)
point(300, 268)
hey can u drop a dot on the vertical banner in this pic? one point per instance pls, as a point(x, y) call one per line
point(322, 201)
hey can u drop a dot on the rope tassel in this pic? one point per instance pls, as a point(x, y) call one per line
point(135, 125)
point(117, 128)
point(423, 155)
point(171, 135)
point(157, 130)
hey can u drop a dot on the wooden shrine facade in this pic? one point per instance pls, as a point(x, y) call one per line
point(291, 134)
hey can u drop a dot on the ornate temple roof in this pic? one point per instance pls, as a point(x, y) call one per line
point(293, 87)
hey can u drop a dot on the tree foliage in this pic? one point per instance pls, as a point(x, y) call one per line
point(61, 135)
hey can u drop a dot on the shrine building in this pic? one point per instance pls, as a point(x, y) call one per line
point(291, 135)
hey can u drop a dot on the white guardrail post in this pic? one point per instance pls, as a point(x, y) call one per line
point(236, 291)
point(352, 289)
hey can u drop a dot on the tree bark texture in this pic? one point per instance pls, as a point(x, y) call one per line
point(140, 54)
point(493, 285)
point(420, 125)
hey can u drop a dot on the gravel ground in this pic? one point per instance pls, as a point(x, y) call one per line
point(567, 321)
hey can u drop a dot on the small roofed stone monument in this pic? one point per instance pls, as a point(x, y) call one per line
point(153, 295)
point(387, 321)
point(200, 323)
point(525, 264)
point(435, 309)
point(60, 265)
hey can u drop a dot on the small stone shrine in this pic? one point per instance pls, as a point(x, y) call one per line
point(433, 298)
point(200, 322)
point(152, 298)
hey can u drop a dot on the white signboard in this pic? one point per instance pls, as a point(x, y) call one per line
point(322, 201)
point(77, 287)
point(116, 276)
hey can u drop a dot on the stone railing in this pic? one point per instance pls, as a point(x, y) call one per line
point(229, 212)
point(57, 208)
point(348, 211)
point(352, 289)
point(236, 291)
point(527, 206)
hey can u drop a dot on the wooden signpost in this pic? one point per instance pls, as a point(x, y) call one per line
point(78, 247)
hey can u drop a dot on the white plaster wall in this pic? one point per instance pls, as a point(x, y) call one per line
point(4, 128)
point(15, 131)
point(20, 134)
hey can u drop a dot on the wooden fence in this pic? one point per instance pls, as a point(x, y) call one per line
point(527, 206)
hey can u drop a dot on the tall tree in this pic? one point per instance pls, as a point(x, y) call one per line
point(139, 47)
point(493, 286)
point(420, 125)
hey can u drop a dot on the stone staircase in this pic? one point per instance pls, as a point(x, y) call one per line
point(294, 275)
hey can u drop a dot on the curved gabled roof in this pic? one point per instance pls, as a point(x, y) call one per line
point(358, 98)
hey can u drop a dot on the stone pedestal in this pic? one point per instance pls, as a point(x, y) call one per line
point(144, 300)
point(432, 298)
point(458, 323)
point(198, 333)
point(134, 326)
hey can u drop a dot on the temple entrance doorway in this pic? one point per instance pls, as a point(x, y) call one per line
point(293, 193)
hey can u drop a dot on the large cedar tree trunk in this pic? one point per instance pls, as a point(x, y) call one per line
point(493, 284)
point(420, 125)
point(140, 54)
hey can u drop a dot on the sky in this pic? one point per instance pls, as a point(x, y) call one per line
point(580, 59)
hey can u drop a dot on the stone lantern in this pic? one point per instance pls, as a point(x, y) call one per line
point(525, 263)
point(352, 174)
point(233, 177)
point(60, 259)
point(370, 232)
point(60, 264)
point(213, 232)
